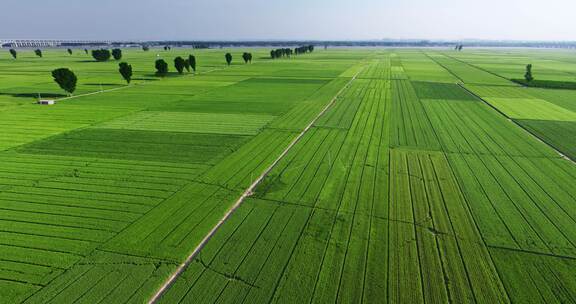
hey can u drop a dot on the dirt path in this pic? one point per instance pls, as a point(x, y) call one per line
point(247, 193)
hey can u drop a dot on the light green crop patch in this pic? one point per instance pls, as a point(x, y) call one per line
point(237, 124)
point(538, 109)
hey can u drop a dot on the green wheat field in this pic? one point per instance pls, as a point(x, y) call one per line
point(431, 177)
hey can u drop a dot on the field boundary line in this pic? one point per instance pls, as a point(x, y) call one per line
point(562, 155)
point(247, 193)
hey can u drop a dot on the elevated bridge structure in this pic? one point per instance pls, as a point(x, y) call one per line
point(31, 43)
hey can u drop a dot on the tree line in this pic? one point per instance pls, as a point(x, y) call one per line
point(180, 64)
point(98, 55)
point(288, 52)
point(67, 80)
point(105, 54)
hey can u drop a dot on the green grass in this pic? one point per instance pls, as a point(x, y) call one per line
point(409, 189)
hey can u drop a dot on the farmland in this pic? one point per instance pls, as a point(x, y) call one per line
point(388, 175)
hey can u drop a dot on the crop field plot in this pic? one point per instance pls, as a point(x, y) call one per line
point(547, 114)
point(559, 134)
point(252, 95)
point(238, 124)
point(140, 145)
point(410, 123)
point(420, 67)
point(531, 108)
point(346, 175)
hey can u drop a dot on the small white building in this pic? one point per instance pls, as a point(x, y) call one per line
point(46, 102)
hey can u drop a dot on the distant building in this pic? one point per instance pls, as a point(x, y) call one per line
point(46, 102)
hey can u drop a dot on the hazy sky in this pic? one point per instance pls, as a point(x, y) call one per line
point(288, 19)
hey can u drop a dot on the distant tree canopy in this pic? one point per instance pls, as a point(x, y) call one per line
point(179, 64)
point(101, 55)
point(145, 48)
point(126, 71)
point(287, 52)
point(161, 68)
point(66, 79)
point(117, 54)
point(228, 57)
point(304, 49)
point(279, 53)
point(187, 65)
point(192, 60)
point(86, 51)
point(201, 46)
point(247, 57)
point(167, 48)
point(13, 53)
point(38, 53)
point(528, 76)
point(69, 51)
point(459, 47)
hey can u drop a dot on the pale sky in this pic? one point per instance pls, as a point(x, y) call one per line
point(288, 19)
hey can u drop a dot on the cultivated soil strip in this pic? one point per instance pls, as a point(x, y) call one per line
point(247, 193)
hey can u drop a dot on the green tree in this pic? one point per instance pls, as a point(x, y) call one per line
point(145, 48)
point(69, 51)
point(179, 64)
point(38, 53)
point(187, 65)
point(66, 79)
point(117, 54)
point(228, 57)
point(13, 53)
point(101, 55)
point(161, 68)
point(126, 71)
point(86, 51)
point(528, 76)
point(247, 57)
point(192, 60)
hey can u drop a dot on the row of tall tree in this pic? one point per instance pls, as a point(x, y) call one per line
point(39, 53)
point(279, 53)
point(287, 52)
point(180, 64)
point(105, 54)
point(459, 47)
point(67, 80)
point(304, 49)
